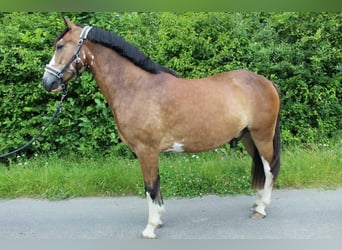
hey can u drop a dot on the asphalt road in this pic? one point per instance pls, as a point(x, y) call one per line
point(293, 214)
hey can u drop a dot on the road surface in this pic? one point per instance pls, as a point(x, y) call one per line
point(293, 214)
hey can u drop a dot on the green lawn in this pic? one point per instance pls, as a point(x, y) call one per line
point(221, 172)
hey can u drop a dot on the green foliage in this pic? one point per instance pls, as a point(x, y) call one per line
point(300, 52)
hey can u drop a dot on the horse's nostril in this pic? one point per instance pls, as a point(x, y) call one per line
point(51, 83)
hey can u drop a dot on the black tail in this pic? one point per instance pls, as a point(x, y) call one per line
point(258, 173)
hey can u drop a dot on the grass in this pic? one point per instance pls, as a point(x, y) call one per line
point(220, 172)
point(317, 167)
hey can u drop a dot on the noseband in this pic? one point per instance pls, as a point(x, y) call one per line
point(60, 73)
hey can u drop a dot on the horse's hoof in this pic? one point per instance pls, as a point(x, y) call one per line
point(148, 235)
point(256, 215)
point(148, 232)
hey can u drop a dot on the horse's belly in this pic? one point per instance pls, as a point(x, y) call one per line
point(201, 140)
point(202, 120)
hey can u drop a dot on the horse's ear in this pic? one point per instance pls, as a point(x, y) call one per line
point(68, 22)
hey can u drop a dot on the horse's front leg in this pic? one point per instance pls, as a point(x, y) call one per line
point(155, 210)
point(149, 166)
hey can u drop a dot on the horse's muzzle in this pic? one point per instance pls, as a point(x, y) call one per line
point(51, 82)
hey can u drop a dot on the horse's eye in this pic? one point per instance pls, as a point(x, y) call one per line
point(59, 46)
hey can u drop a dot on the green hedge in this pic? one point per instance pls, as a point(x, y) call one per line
point(301, 52)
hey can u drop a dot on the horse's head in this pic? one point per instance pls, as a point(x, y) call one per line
point(66, 63)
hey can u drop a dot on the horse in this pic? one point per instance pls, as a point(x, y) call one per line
point(156, 111)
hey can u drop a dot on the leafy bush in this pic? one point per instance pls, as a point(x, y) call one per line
point(300, 52)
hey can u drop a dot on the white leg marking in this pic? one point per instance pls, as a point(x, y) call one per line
point(176, 147)
point(257, 200)
point(264, 196)
point(155, 212)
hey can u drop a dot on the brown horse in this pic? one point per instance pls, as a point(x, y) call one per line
point(156, 111)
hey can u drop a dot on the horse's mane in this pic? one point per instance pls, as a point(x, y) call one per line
point(127, 50)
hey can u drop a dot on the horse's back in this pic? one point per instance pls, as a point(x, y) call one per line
point(246, 80)
point(239, 89)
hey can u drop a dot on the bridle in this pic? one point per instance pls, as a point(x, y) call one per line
point(59, 73)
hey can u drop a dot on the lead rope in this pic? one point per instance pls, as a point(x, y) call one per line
point(52, 119)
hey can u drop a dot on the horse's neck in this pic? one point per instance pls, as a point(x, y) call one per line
point(117, 77)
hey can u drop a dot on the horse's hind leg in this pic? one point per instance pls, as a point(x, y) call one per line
point(262, 176)
point(264, 196)
point(264, 144)
point(149, 166)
